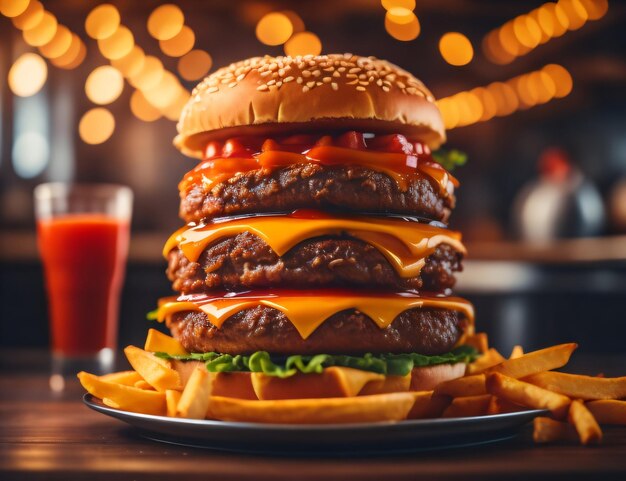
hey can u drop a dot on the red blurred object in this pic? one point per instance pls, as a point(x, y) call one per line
point(554, 164)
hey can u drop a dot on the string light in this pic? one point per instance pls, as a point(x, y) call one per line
point(194, 65)
point(43, 32)
point(274, 29)
point(73, 57)
point(297, 24)
point(524, 33)
point(180, 44)
point(29, 17)
point(303, 43)
point(405, 31)
point(456, 49)
point(150, 74)
point(389, 4)
point(28, 75)
point(117, 45)
point(13, 8)
point(59, 45)
point(102, 21)
point(130, 64)
point(503, 98)
point(96, 126)
point(166, 21)
point(104, 85)
point(142, 109)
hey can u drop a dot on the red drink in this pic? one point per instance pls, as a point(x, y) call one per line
point(84, 257)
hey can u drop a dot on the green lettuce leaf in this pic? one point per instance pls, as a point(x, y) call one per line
point(449, 159)
point(261, 361)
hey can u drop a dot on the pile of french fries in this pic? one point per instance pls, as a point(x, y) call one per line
point(492, 385)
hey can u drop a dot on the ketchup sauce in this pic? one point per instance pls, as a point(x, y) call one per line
point(84, 257)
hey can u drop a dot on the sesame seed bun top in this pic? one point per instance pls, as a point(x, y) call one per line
point(279, 95)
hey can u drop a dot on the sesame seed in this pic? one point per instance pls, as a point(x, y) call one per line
point(310, 84)
point(271, 82)
point(361, 89)
point(341, 69)
point(266, 73)
point(279, 84)
point(299, 80)
point(353, 82)
point(363, 82)
point(288, 79)
point(326, 80)
point(240, 77)
point(385, 88)
point(362, 76)
point(212, 89)
point(336, 74)
point(334, 86)
point(306, 73)
point(355, 70)
point(316, 73)
point(262, 87)
point(281, 72)
point(351, 75)
point(401, 85)
point(232, 84)
point(305, 89)
point(318, 83)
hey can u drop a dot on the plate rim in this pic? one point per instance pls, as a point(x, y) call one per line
point(97, 405)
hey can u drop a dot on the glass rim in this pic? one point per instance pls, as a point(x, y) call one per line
point(51, 190)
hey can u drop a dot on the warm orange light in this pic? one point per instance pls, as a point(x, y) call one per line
point(596, 9)
point(59, 45)
point(102, 21)
point(274, 29)
point(508, 40)
point(542, 85)
point(150, 74)
point(130, 64)
point(400, 15)
point(494, 50)
point(456, 49)
point(297, 24)
point(546, 21)
point(561, 22)
point(180, 44)
point(117, 45)
point(104, 85)
point(576, 13)
point(29, 17)
point(449, 112)
point(470, 107)
point(164, 93)
point(488, 102)
point(303, 43)
point(173, 111)
point(389, 4)
point(505, 98)
point(27, 75)
point(43, 32)
point(527, 31)
point(96, 126)
point(194, 65)
point(142, 109)
point(73, 57)
point(166, 21)
point(404, 32)
point(563, 82)
point(13, 8)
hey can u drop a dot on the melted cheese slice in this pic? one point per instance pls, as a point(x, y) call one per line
point(307, 310)
point(405, 244)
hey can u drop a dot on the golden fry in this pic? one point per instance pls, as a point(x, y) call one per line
point(478, 341)
point(516, 352)
point(487, 360)
point(172, 398)
point(546, 430)
point(580, 387)
point(141, 384)
point(464, 386)
point(537, 361)
point(128, 398)
point(195, 398)
point(128, 378)
point(159, 342)
point(586, 425)
point(526, 394)
point(608, 411)
point(378, 407)
point(155, 371)
point(502, 406)
point(468, 406)
point(428, 405)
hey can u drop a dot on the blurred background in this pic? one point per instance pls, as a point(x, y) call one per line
point(533, 92)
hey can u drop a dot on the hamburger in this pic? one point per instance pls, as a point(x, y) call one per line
point(315, 260)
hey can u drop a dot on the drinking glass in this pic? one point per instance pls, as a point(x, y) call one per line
point(83, 235)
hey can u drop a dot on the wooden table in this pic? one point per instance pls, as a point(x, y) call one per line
point(44, 436)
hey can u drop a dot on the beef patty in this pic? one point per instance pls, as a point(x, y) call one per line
point(298, 186)
point(246, 261)
point(425, 331)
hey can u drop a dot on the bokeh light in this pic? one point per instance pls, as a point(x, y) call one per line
point(576, 13)
point(297, 24)
point(27, 75)
point(142, 109)
point(456, 49)
point(173, 111)
point(563, 82)
point(165, 92)
point(400, 15)
point(488, 102)
point(527, 31)
point(180, 44)
point(596, 9)
point(194, 65)
point(104, 85)
point(31, 154)
point(102, 21)
point(274, 29)
point(43, 32)
point(389, 4)
point(150, 74)
point(117, 45)
point(73, 57)
point(96, 126)
point(13, 8)
point(29, 17)
point(59, 45)
point(166, 21)
point(404, 32)
point(303, 43)
point(505, 97)
point(130, 64)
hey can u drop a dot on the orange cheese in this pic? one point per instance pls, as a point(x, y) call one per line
point(405, 244)
point(307, 310)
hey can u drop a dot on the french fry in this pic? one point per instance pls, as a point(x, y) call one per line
point(502, 406)
point(378, 407)
point(141, 384)
point(537, 361)
point(172, 398)
point(608, 411)
point(387, 385)
point(124, 397)
point(546, 430)
point(516, 352)
point(159, 342)
point(128, 378)
point(428, 405)
point(463, 386)
point(526, 394)
point(487, 360)
point(155, 371)
point(478, 341)
point(580, 387)
point(194, 401)
point(468, 406)
point(587, 427)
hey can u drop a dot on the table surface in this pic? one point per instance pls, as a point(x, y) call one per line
point(49, 436)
